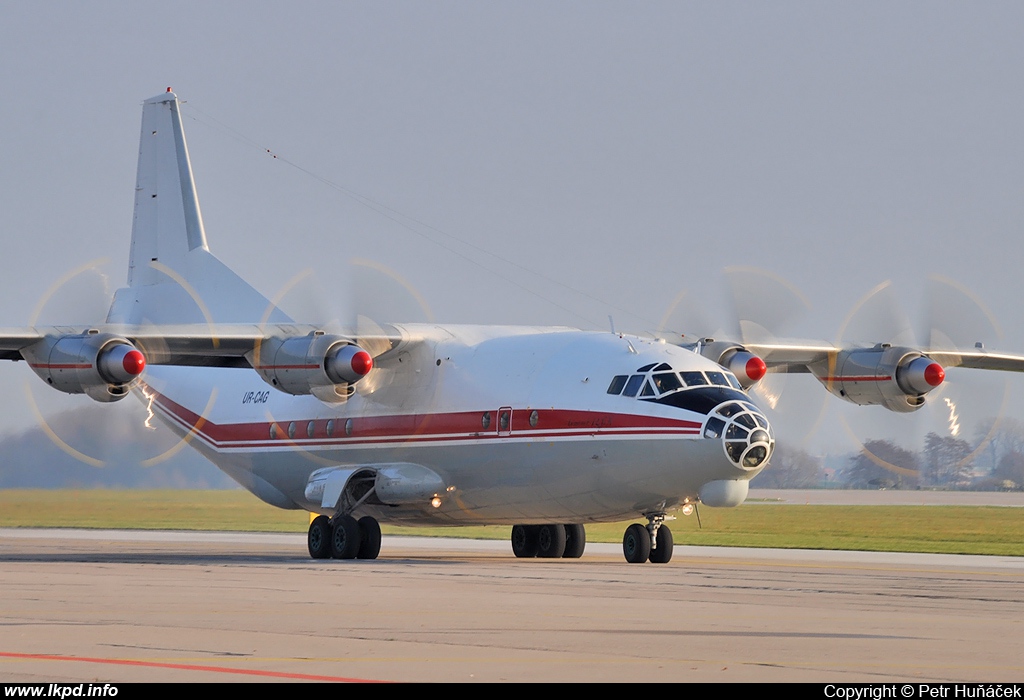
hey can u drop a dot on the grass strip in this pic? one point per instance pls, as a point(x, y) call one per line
point(941, 529)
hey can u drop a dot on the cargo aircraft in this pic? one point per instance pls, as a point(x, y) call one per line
point(544, 429)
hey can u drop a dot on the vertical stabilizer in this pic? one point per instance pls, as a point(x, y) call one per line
point(172, 276)
point(167, 222)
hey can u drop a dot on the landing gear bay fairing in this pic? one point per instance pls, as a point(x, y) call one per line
point(542, 429)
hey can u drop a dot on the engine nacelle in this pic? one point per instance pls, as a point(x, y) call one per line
point(748, 367)
point(101, 365)
point(894, 377)
point(319, 364)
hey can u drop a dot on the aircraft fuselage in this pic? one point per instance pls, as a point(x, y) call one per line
point(518, 423)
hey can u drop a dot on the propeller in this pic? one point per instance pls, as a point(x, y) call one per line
point(953, 317)
point(373, 294)
point(83, 295)
point(763, 307)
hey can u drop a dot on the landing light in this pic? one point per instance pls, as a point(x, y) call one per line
point(688, 509)
point(436, 502)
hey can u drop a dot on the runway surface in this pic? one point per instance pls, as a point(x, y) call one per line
point(176, 606)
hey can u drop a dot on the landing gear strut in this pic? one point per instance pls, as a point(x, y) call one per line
point(652, 543)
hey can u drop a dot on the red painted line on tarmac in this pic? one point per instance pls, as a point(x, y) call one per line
point(187, 667)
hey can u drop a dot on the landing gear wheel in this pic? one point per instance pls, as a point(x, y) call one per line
point(524, 541)
point(551, 541)
point(345, 537)
point(575, 541)
point(662, 553)
point(636, 544)
point(319, 537)
point(369, 538)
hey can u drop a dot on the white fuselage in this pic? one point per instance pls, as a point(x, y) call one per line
point(518, 422)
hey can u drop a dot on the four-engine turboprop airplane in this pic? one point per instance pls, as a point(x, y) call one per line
point(544, 429)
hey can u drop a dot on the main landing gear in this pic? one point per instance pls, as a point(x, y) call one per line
point(549, 541)
point(652, 543)
point(343, 538)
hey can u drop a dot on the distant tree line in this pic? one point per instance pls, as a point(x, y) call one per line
point(993, 460)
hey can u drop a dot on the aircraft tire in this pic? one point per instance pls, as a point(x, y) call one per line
point(636, 544)
point(551, 541)
point(575, 541)
point(319, 537)
point(345, 538)
point(369, 538)
point(524, 541)
point(662, 554)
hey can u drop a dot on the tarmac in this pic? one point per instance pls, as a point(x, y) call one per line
point(120, 606)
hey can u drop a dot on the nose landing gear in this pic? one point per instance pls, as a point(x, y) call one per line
point(652, 543)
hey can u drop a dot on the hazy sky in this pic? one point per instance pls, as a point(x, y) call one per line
point(628, 151)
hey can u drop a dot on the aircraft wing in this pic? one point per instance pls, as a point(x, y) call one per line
point(12, 340)
point(196, 345)
point(797, 357)
point(792, 357)
point(977, 359)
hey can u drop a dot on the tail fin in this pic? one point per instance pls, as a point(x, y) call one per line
point(172, 276)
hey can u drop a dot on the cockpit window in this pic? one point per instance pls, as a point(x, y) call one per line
point(633, 385)
point(718, 379)
point(666, 381)
point(714, 428)
point(730, 409)
point(695, 390)
point(746, 420)
point(617, 383)
point(694, 378)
